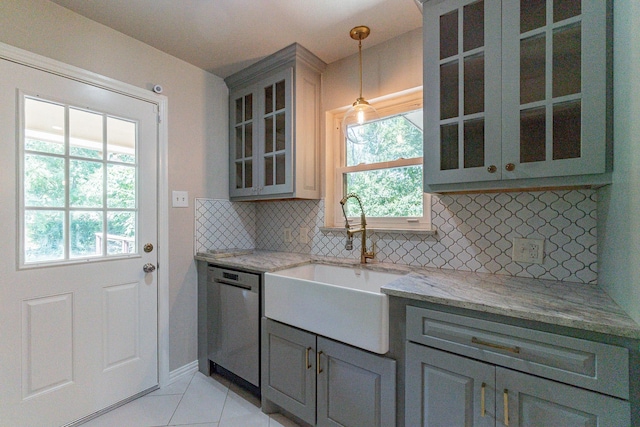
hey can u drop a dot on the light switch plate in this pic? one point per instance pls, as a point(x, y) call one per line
point(303, 237)
point(528, 250)
point(180, 199)
point(288, 238)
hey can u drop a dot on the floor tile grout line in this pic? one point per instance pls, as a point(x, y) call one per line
point(173, 414)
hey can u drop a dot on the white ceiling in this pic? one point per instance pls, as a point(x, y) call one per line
point(224, 36)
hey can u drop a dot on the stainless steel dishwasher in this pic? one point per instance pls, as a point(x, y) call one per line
point(234, 322)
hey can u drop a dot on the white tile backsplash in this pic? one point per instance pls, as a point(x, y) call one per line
point(475, 232)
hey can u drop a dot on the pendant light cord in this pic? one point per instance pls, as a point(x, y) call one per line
point(360, 55)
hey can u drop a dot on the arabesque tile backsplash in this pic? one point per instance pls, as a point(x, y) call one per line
point(475, 232)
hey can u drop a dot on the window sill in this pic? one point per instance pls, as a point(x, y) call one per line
point(419, 231)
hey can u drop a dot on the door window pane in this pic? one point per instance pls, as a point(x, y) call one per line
point(44, 126)
point(473, 26)
point(121, 187)
point(121, 140)
point(532, 69)
point(44, 181)
point(85, 134)
point(474, 84)
point(85, 184)
point(449, 147)
point(533, 14)
point(121, 229)
point(564, 9)
point(532, 135)
point(43, 235)
point(85, 233)
point(567, 61)
point(474, 143)
point(449, 102)
point(449, 34)
point(566, 130)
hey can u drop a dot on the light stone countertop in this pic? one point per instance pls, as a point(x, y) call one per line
point(574, 305)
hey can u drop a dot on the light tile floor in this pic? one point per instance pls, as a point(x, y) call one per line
point(194, 400)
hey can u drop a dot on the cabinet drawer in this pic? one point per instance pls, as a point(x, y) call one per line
point(591, 365)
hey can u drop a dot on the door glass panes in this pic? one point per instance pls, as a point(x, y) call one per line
point(121, 140)
point(449, 147)
point(44, 126)
point(43, 237)
point(121, 228)
point(85, 233)
point(74, 182)
point(474, 143)
point(449, 102)
point(532, 135)
point(85, 134)
point(566, 130)
point(449, 34)
point(565, 9)
point(474, 84)
point(566, 61)
point(473, 26)
point(86, 188)
point(532, 69)
point(533, 14)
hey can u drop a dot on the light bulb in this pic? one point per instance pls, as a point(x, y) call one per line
point(360, 117)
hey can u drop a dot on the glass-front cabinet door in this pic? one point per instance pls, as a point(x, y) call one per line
point(243, 137)
point(462, 91)
point(554, 90)
point(275, 134)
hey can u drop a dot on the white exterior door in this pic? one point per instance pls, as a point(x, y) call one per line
point(78, 325)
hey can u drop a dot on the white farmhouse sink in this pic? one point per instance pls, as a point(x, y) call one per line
point(342, 303)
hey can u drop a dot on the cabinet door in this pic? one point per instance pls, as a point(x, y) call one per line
point(288, 369)
point(462, 91)
point(355, 387)
point(533, 401)
point(275, 133)
point(242, 149)
point(447, 390)
point(554, 87)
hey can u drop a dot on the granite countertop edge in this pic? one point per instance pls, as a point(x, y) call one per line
point(575, 305)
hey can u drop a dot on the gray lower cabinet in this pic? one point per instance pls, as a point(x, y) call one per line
point(470, 372)
point(326, 383)
point(443, 389)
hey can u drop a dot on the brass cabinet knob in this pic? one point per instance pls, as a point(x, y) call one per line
point(492, 169)
point(510, 167)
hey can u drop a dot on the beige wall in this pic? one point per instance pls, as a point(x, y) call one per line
point(197, 107)
point(619, 203)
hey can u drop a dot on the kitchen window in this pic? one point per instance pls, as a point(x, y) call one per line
point(384, 167)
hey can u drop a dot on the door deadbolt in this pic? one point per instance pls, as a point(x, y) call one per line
point(148, 247)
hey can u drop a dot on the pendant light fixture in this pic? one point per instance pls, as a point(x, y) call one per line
point(361, 111)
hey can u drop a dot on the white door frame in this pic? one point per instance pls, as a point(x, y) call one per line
point(43, 63)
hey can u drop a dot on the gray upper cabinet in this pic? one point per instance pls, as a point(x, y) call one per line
point(515, 94)
point(274, 127)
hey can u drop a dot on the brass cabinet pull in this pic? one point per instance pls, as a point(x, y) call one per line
point(510, 167)
point(307, 357)
point(319, 369)
point(492, 169)
point(515, 350)
point(506, 407)
point(482, 407)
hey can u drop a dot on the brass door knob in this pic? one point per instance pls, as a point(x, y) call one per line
point(492, 169)
point(510, 167)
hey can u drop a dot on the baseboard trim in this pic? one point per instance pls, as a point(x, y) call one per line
point(188, 369)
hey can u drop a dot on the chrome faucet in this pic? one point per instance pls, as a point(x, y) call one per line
point(364, 254)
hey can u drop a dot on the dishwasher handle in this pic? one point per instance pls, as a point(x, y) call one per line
point(236, 285)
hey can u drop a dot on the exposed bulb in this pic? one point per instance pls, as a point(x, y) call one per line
point(360, 117)
point(360, 113)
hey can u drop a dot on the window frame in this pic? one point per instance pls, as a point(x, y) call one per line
point(391, 105)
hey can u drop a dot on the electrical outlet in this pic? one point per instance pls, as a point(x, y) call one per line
point(528, 250)
point(303, 237)
point(288, 237)
point(180, 199)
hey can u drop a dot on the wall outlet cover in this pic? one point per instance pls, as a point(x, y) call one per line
point(528, 250)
